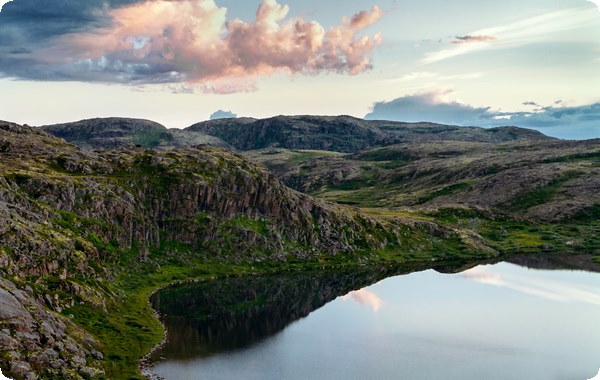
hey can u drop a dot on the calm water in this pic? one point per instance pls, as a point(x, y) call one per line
point(499, 321)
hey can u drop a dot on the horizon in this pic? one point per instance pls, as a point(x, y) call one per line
point(533, 65)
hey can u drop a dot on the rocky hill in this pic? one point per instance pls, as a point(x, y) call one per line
point(549, 180)
point(115, 132)
point(346, 133)
point(86, 235)
point(331, 133)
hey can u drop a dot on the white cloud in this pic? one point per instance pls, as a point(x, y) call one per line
point(597, 377)
point(519, 33)
point(595, 2)
point(2, 2)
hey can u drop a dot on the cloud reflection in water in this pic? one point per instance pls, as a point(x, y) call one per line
point(537, 287)
point(365, 297)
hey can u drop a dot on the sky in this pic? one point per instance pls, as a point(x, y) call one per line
point(530, 63)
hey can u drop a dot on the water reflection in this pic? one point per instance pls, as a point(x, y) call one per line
point(553, 290)
point(510, 322)
point(365, 297)
point(215, 316)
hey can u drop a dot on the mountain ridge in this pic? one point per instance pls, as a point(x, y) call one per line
point(335, 133)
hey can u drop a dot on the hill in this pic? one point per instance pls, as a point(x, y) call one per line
point(114, 132)
point(333, 133)
point(346, 133)
point(541, 180)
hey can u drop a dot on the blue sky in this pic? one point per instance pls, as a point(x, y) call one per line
point(530, 63)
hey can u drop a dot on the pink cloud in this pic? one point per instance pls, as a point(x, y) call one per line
point(193, 41)
point(365, 297)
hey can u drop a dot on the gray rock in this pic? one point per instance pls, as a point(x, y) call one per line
point(90, 373)
point(59, 363)
point(9, 306)
point(78, 360)
point(23, 370)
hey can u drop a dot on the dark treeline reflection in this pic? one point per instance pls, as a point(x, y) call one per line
point(226, 314)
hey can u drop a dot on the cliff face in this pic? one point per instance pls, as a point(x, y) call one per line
point(71, 219)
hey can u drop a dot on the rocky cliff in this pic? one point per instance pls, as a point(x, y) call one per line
point(72, 221)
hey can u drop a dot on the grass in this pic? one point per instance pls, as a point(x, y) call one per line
point(448, 190)
point(298, 156)
point(507, 235)
point(541, 195)
point(127, 328)
point(587, 156)
point(383, 154)
point(151, 138)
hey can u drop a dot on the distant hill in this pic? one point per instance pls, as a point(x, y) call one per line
point(548, 180)
point(333, 133)
point(345, 133)
point(115, 132)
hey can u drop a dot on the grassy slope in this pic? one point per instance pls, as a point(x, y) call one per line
point(521, 197)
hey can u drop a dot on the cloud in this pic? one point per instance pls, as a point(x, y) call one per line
point(433, 107)
point(220, 114)
point(596, 3)
point(472, 39)
point(580, 122)
point(519, 33)
point(546, 289)
point(365, 297)
point(161, 41)
point(2, 2)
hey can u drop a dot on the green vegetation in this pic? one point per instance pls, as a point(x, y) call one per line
point(151, 138)
point(592, 156)
point(540, 195)
point(383, 154)
point(445, 191)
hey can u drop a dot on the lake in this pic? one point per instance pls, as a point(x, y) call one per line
point(497, 321)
